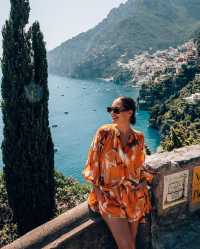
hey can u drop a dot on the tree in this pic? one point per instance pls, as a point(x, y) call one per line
point(27, 147)
point(176, 140)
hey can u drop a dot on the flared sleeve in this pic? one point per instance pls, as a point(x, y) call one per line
point(92, 171)
point(145, 174)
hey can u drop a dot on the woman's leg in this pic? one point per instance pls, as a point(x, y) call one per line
point(134, 229)
point(121, 232)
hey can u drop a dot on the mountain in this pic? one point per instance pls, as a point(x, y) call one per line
point(133, 27)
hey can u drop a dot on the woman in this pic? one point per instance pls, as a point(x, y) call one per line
point(115, 168)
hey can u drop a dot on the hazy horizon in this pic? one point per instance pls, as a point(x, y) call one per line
point(69, 17)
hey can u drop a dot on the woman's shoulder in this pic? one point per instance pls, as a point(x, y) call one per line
point(138, 133)
point(140, 137)
point(110, 127)
point(105, 129)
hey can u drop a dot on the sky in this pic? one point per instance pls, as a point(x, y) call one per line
point(62, 19)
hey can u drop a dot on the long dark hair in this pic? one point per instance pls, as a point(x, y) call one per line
point(129, 104)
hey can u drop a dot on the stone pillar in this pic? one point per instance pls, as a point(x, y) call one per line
point(175, 221)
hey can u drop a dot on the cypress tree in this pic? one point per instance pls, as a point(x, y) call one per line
point(176, 140)
point(27, 147)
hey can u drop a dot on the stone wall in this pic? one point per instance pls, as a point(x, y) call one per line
point(73, 229)
point(174, 223)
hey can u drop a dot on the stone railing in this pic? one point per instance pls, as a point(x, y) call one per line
point(73, 229)
point(174, 223)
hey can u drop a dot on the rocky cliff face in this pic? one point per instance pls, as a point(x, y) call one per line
point(135, 26)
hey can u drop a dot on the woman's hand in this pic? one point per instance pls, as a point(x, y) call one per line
point(155, 180)
point(141, 185)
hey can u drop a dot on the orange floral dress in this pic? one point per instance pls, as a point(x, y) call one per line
point(114, 170)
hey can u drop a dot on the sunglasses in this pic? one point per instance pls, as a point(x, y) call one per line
point(116, 110)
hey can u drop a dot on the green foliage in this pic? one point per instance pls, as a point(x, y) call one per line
point(181, 134)
point(69, 193)
point(123, 76)
point(3, 193)
point(147, 150)
point(8, 229)
point(176, 118)
point(8, 233)
point(27, 146)
point(19, 13)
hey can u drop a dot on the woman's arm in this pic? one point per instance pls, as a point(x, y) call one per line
point(146, 177)
point(97, 191)
point(92, 170)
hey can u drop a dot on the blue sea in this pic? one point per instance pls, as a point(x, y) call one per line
point(76, 109)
